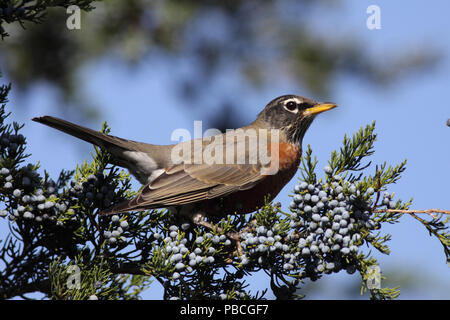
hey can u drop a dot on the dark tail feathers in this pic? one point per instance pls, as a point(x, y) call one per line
point(83, 133)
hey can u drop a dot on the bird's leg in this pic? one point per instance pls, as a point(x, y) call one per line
point(236, 236)
point(199, 219)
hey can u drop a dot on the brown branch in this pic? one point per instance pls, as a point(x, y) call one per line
point(42, 286)
point(128, 268)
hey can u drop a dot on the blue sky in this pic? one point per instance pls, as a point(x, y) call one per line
point(410, 116)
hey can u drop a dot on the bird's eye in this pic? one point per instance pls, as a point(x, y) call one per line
point(291, 106)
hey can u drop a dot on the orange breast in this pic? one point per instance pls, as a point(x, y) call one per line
point(246, 201)
point(283, 155)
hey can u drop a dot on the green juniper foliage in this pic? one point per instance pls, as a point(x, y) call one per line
point(59, 246)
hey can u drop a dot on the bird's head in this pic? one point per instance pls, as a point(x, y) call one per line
point(292, 115)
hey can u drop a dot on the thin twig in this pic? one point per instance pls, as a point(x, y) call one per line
point(378, 187)
point(429, 211)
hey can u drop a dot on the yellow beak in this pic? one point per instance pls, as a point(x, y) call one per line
point(319, 108)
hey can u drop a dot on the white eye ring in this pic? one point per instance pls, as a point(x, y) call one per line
point(295, 109)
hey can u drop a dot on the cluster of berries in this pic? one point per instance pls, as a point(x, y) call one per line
point(261, 244)
point(31, 198)
point(115, 235)
point(95, 191)
point(10, 143)
point(185, 254)
point(331, 221)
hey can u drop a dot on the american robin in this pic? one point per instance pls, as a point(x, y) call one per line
point(214, 175)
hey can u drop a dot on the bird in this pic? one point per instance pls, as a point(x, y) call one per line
point(209, 176)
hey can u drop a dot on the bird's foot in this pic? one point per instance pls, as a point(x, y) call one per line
point(199, 219)
point(236, 237)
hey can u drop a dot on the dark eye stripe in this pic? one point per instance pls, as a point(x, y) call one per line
point(303, 106)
